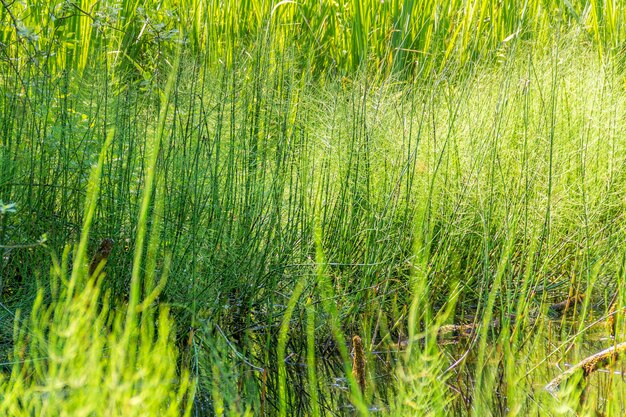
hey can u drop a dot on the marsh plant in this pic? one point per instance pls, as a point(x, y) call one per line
point(443, 179)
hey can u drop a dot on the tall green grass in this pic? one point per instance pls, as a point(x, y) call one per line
point(72, 357)
point(392, 36)
point(80, 353)
point(299, 207)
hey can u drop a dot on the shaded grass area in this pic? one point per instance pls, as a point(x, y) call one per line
point(299, 209)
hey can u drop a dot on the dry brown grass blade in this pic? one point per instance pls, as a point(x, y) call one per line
point(611, 321)
point(358, 362)
point(588, 365)
point(101, 255)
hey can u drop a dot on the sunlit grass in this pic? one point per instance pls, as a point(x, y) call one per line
point(281, 176)
point(391, 36)
point(71, 357)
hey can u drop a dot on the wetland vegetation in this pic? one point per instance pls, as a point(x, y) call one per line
point(398, 207)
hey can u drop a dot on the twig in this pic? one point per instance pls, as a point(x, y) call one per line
point(588, 365)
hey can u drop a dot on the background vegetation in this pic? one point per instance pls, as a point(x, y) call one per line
point(280, 176)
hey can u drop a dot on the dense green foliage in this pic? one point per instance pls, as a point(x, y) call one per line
point(389, 36)
point(278, 176)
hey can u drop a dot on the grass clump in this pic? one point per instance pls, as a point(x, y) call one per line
point(443, 180)
point(73, 357)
